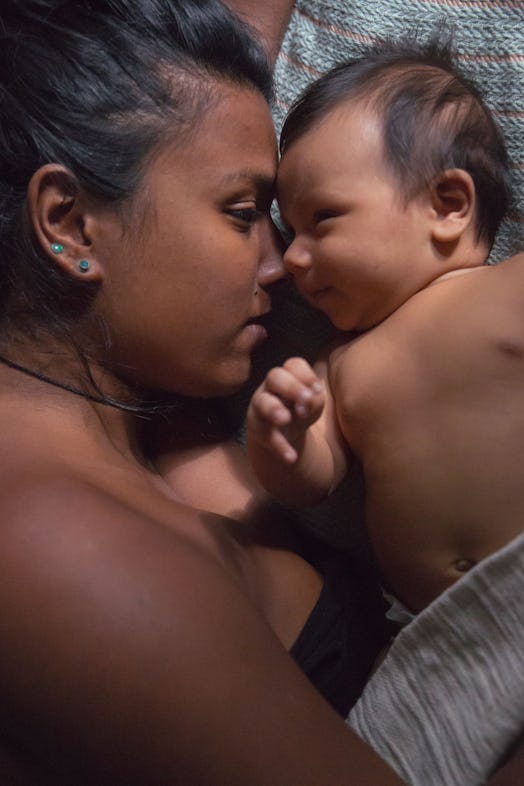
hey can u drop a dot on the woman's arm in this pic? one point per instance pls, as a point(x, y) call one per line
point(129, 653)
point(269, 17)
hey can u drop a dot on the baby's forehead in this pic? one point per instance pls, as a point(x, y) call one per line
point(374, 96)
point(332, 159)
point(350, 127)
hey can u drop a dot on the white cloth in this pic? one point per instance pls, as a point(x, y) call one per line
point(397, 612)
point(448, 700)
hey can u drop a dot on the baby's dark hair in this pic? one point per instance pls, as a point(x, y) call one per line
point(96, 86)
point(433, 119)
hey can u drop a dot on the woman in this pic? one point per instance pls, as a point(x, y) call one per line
point(143, 641)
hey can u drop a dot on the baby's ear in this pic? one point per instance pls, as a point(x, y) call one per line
point(453, 205)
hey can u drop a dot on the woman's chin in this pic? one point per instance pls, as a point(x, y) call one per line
point(225, 382)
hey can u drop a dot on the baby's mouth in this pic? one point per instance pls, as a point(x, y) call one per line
point(316, 296)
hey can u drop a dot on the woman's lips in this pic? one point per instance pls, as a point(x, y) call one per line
point(256, 330)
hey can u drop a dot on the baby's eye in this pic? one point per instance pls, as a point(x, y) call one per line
point(323, 215)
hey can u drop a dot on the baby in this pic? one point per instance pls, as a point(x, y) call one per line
point(393, 182)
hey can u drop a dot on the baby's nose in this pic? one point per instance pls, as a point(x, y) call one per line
point(296, 257)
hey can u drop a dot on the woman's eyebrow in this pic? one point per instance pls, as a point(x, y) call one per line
point(260, 180)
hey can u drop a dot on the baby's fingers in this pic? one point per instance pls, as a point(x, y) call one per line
point(297, 384)
point(279, 445)
point(304, 372)
point(267, 409)
point(266, 417)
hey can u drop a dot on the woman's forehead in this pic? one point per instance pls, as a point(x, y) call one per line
point(234, 142)
point(240, 114)
point(232, 154)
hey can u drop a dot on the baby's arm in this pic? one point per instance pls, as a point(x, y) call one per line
point(293, 439)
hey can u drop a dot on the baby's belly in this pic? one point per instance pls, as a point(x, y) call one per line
point(430, 528)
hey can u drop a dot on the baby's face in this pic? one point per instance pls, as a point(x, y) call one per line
point(358, 251)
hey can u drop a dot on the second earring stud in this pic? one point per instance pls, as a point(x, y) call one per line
point(83, 266)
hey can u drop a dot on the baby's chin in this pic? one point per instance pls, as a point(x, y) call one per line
point(348, 323)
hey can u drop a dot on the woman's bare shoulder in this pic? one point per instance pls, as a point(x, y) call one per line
point(111, 622)
point(133, 651)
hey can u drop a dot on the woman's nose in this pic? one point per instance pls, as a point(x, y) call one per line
point(271, 268)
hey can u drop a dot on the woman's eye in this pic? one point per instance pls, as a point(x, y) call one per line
point(245, 215)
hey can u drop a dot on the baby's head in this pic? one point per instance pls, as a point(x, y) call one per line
point(398, 151)
point(432, 119)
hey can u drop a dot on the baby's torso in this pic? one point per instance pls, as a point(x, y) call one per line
point(432, 403)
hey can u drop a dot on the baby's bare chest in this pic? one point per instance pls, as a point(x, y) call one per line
point(414, 375)
point(437, 420)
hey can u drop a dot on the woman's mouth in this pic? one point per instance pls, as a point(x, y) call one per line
point(256, 330)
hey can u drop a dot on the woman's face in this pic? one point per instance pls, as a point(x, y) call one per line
point(185, 298)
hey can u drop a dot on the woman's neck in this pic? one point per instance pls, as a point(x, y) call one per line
point(83, 396)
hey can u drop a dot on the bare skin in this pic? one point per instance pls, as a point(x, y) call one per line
point(270, 19)
point(428, 396)
point(145, 641)
point(216, 478)
point(450, 465)
point(441, 438)
point(118, 556)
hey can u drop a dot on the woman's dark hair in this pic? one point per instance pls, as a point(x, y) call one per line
point(433, 118)
point(96, 85)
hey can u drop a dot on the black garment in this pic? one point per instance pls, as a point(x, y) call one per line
point(344, 633)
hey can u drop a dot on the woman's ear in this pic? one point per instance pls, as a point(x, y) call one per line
point(453, 205)
point(62, 221)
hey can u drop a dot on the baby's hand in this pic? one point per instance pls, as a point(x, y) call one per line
point(289, 400)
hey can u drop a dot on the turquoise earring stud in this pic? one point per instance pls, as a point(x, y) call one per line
point(57, 248)
point(83, 266)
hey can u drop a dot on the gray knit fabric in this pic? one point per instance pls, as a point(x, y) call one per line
point(448, 700)
point(489, 37)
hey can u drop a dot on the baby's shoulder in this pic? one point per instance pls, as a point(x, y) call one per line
point(485, 306)
point(487, 282)
point(478, 306)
